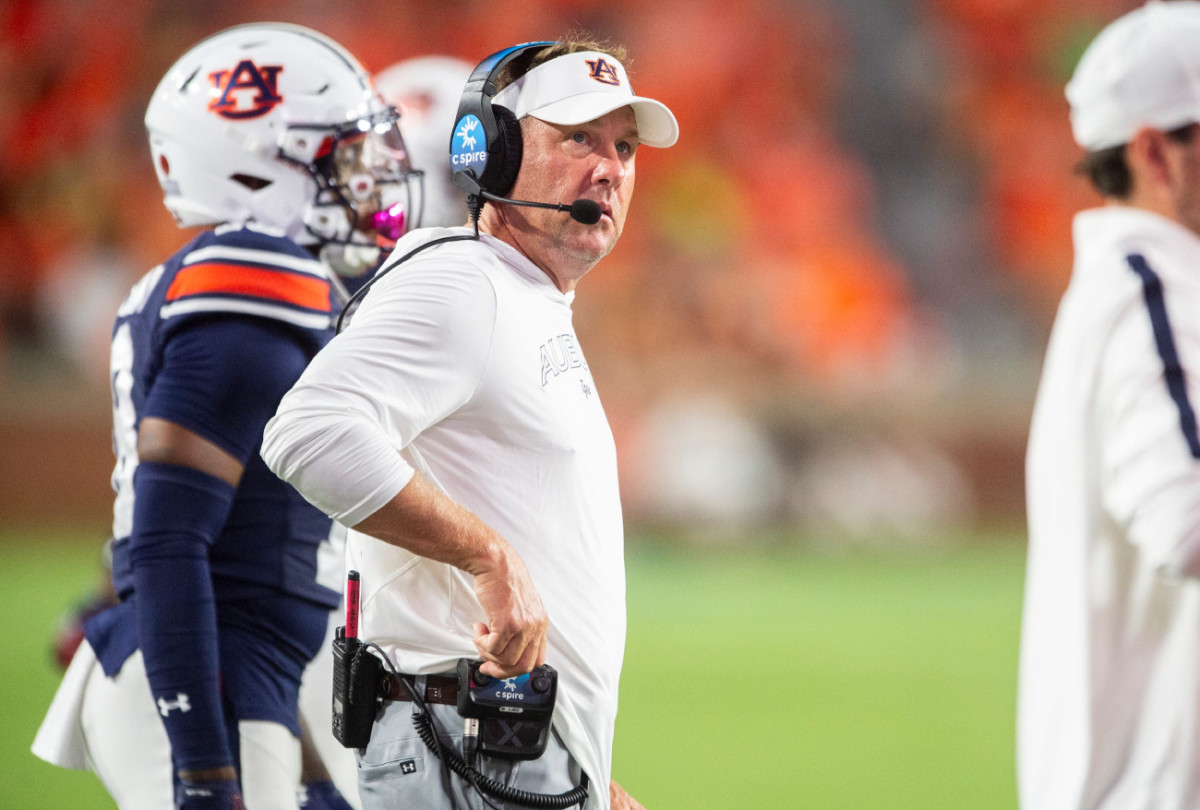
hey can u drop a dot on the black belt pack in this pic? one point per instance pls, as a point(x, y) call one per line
point(513, 713)
point(506, 718)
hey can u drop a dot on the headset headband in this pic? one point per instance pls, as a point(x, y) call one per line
point(492, 65)
point(492, 165)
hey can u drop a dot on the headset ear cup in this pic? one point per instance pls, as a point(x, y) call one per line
point(510, 152)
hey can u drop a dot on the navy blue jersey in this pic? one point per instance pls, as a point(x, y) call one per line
point(211, 340)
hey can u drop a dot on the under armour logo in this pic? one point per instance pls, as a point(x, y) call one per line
point(466, 132)
point(603, 72)
point(180, 702)
point(246, 76)
point(408, 766)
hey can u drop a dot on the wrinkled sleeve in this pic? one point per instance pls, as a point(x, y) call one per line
point(412, 355)
point(1150, 450)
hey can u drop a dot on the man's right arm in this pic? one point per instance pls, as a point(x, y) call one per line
point(423, 520)
point(414, 353)
point(342, 463)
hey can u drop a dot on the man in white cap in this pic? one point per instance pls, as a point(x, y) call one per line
point(1110, 650)
point(456, 427)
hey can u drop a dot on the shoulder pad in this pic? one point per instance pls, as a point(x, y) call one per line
point(254, 273)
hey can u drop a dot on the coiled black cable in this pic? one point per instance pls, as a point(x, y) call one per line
point(481, 782)
point(484, 783)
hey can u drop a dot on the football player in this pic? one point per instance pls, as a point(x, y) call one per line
point(272, 138)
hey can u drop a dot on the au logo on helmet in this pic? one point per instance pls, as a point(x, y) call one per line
point(230, 103)
point(603, 72)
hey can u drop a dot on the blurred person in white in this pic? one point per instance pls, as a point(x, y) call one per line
point(455, 427)
point(426, 91)
point(184, 692)
point(1109, 684)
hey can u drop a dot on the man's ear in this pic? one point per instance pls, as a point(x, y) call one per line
point(1146, 154)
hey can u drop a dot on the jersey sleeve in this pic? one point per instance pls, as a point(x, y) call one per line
point(248, 274)
point(1150, 462)
point(414, 353)
point(223, 377)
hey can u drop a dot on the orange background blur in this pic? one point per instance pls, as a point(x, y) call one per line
point(829, 305)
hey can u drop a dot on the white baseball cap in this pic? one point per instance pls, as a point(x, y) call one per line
point(1143, 70)
point(579, 87)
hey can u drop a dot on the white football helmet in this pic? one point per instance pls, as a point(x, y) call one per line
point(427, 91)
point(279, 124)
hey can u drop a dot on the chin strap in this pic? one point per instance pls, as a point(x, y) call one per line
point(350, 260)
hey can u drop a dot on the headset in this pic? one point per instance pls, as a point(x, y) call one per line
point(493, 168)
point(487, 171)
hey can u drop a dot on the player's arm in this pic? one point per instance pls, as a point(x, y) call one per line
point(171, 575)
point(219, 383)
point(164, 442)
point(413, 355)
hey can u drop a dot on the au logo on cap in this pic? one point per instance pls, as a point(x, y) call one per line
point(603, 72)
point(246, 76)
point(467, 149)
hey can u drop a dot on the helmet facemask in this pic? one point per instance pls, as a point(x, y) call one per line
point(368, 194)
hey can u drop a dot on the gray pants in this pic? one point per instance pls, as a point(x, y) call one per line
point(397, 770)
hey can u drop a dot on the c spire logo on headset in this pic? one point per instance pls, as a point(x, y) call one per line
point(465, 153)
point(246, 76)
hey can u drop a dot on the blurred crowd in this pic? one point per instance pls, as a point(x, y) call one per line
point(868, 212)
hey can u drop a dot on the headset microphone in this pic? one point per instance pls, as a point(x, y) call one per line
point(583, 211)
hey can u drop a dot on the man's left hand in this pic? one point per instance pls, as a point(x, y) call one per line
point(621, 800)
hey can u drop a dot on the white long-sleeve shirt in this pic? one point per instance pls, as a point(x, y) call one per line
point(1110, 648)
point(462, 363)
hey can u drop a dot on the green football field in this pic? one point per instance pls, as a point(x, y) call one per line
point(789, 678)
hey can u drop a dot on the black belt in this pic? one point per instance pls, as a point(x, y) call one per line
point(441, 689)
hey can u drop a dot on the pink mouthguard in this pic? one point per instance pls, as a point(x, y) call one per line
point(391, 222)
